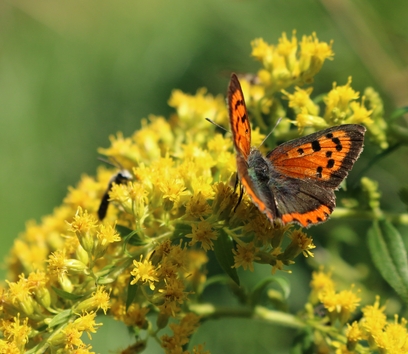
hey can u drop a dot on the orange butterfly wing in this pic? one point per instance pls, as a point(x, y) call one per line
point(240, 127)
point(241, 135)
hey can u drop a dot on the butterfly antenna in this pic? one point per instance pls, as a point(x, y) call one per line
point(263, 141)
point(217, 125)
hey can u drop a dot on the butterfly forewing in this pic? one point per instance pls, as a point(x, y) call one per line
point(240, 127)
point(326, 156)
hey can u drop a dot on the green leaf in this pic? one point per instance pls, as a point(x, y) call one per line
point(135, 240)
point(131, 293)
point(261, 286)
point(303, 343)
point(389, 255)
point(403, 194)
point(39, 348)
point(181, 230)
point(66, 295)
point(62, 317)
point(130, 236)
point(399, 112)
point(223, 247)
point(123, 231)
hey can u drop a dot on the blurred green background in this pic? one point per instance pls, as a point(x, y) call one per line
point(74, 72)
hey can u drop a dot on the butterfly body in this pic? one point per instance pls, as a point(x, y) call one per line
point(295, 182)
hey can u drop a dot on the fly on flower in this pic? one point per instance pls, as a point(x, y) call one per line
point(121, 177)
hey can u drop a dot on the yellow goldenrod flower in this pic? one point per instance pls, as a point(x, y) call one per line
point(312, 56)
point(38, 282)
point(354, 335)
point(340, 305)
point(135, 315)
point(262, 51)
point(394, 338)
point(301, 243)
point(9, 347)
point(321, 283)
point(86, 323)
point(20, 293)
point(360, 114)
point(144, 272)
point(203, 232)
point(181, 333)
point(245, 255)
point(370, 188)
point(378, 128)
point(301, 100)
point(98, 300)
point(30, 254)
point(304, 120)
point(278, 265)
point(106, 235)
point(338, 100)
point(374, 319)
point(197, 207)
point(290, 63)
point(199, 349)
point(16, 332)
point(172, 296)
point(224, 200)
point(192, 111)
point(177, 256)
point(84, 225)
point(261, 227)
point(123, 151)
point(72, 337)
point(172, 190)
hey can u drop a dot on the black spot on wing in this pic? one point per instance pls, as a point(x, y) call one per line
point(330, 163)
point(316, 145)
point(339, 147)
point(319, 171)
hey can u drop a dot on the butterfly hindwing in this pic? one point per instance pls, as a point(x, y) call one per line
point(303, 202)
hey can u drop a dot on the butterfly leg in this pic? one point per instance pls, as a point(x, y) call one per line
point(236, 182)
point(241, 194)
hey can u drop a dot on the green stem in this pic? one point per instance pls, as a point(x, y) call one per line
point(208, 310)
point(399, 132)
point(343, 213)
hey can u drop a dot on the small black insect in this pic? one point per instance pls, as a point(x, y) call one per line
point(121, 177)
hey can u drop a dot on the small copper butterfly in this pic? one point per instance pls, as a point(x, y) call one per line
point(295, 182)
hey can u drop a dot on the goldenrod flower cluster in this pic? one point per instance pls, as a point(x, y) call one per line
point(371, 333)
point(149, 254)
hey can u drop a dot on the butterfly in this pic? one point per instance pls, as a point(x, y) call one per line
point(295, 182)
